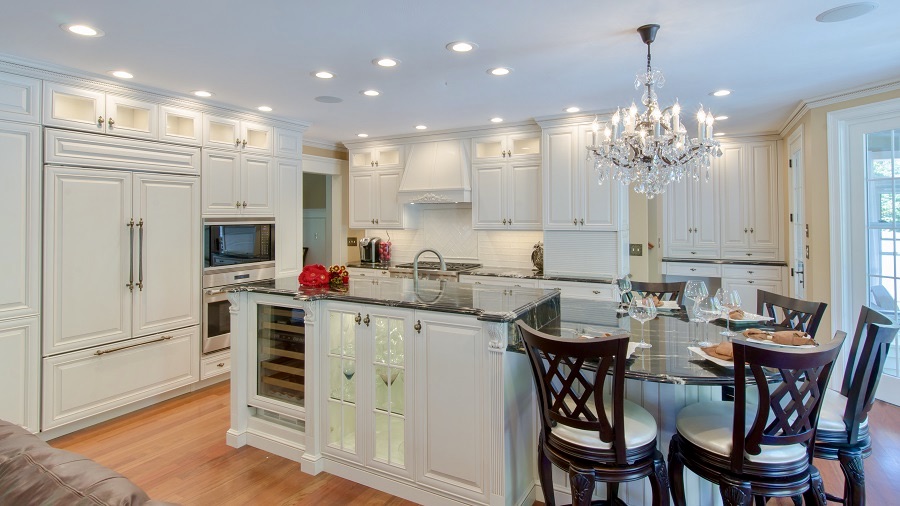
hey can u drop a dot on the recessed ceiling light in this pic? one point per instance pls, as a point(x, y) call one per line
point(720, 118)
point(496, 120)
point(323, 74)
point(370, 93)
point(121, 74)
point(386, 62)
point(421, 127)
point(461, 46)
point(572, 109)
point(264, 108)
point(83, 30)
point(202, 93)
point(846, 12)
point(718, 134)
point(499, 71)
point(362, 135)
point(721, 93)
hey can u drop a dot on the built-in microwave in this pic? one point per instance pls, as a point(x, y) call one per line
point(229, 244)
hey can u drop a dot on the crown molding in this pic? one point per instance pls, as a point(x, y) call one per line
point(445, 135)
point(316, 143)
point(864, 90)
point(569, 119)
point(76, 77)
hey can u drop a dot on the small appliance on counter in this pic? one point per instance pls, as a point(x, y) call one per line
point(370, 250)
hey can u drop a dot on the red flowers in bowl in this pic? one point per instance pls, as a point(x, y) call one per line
point(318, 275)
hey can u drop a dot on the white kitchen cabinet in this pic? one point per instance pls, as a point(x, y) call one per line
point(236, 135)
point(748, 279)
point(288, 143)
point(499, 281)
point(581, 290)
point(382, 157)
point(180, 126)
point(373, 199)
point(507, 196)
point(236, 184)
point(95, 111)
point(692, 219)
point(215, 364)
point(121, 256)
point(20, 371)
point(506, 147)
point(750, 202)
point(132, 118)
point(365, 272)
point(20, 98)
point(289, 217)
point(88, 382)
point(572, 198)
point(79, 149)
point(20, 205)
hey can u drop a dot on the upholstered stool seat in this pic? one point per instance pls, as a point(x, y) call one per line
point(640, 428)
point(831, 418)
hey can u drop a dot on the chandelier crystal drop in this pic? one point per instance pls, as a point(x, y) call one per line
point(650, 149)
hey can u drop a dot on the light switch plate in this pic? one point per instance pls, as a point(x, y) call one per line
point(636, 250)
point(351, 241)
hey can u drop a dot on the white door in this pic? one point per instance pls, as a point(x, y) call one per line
point(20, 228)
point(389, 208)
point(762, 182)
point(87, 258)
point(362, 204)
point(73, 107)
point(257, 185)
point(489, 196)
point(314, 237)
point(221, 182)
point(20, 371)
point(560, 179)
point(797, 219)
point(524, 195)
point(132, 118)
point(167, 253)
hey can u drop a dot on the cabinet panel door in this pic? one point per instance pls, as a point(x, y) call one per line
point(20, 197)
point(221, 133)
point(747, 289)
point(678, 229)
point(389, 208)
point(20, 98)
point(524, 145)
point(167, 253)
point(20, 375)
point(524, 195)
point(388, 157)
point(257, 185)
point(487, 149)
point(289, 216)
point(729, 168)
point(362, 208)
point(87, 259)
point(763, 204)
point(341, 417)
point(256, 138)
point(362, 159)
point(181, 126)
point(706, 207)
point(132, 118)
point(288, 143)
point(73, 107)
point(221, 182)
point(560, 179)
point(489, 196)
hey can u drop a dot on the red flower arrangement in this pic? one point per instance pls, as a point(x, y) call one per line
point(318, 275)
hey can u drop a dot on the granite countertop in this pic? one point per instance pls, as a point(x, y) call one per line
point(773, 263)
point(487, 303)
point(365, 265)
point(512, 272)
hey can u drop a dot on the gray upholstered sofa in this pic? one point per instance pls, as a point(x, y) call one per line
point(34, 473)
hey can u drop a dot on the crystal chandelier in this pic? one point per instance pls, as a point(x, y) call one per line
point(650, 149)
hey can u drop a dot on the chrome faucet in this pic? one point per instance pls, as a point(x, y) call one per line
point(416, 262)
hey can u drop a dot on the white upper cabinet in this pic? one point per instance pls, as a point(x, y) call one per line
point(180, 126)
point(514, 146)
point(132, 118)
point(257, 185)
point(72, 107)
point(236, 184)
point(693, 219)
point(20, 201)
point(20, 98)
point(230, 133)
point(573, 199)
point(288, 143)
point(373, 199)
point(382, 157)
point(507, 196)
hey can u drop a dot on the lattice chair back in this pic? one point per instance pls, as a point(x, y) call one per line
point(662, 291)
point(789, 312)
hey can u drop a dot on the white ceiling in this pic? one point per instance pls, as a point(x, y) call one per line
point(772, 53)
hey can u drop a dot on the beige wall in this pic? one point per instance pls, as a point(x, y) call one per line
point(314, 189)
point(325, 153)
point(815, 161)
point(638, 217)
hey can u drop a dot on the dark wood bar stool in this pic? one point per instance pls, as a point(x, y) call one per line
point(765, 449)
point(591, 436)
point(664, 291)
point(843, 432)
point(789, 312)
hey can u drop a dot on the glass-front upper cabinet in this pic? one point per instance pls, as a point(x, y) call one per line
point(390, 344)
point(506, 147)
point(342, 379)
point(180, 126)
point(74, 107)
point(280, 353)
point(131, 118)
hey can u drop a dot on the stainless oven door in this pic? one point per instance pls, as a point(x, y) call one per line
point(216, 320)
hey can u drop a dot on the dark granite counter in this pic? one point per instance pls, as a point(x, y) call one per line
point(365, 265)
point(486, 303)
point(772, 263)
point(511, 272)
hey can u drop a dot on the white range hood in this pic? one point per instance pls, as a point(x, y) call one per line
point(436, 173)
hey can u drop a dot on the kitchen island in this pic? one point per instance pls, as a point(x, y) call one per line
point(403, 386)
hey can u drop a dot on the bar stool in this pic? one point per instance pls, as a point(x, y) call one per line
point(590, 435)
point(663, 291)
point(765, 449)
point(790, 312)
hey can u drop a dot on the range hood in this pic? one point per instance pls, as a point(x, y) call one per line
point(436, 173)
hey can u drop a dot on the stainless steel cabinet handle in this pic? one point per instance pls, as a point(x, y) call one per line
point(130, 226)
point(244, 205)
point(140, 283)
point(111, 122)
point(103, 352)
point(358, 318)
point(366, 320)
point(100, 121)
point(418, 326)
point(244, 143)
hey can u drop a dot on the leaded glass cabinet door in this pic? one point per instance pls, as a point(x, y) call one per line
point(390, 391)
point(344, 324)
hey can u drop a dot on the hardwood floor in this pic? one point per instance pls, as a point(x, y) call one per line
point(176, 451)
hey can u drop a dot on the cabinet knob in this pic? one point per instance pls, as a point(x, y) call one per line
point(503, 154)
point(745, 230)
point(244, 143)
point(372, 163)
point(366, 320)
point(582, 221)
point(376, 163)
point(750, 281)
point(504, 221)
point(376, 221)
point(575, 221)
point(751, 230)
point(111, 122)
point(510, 221)
point(237, 142)
point(749, 272)
point(693, 269)
point(220, 364)
point(373, 221)
point(690, 230)
point(100, 121)
point(695, 230)
point(244, 204)
point(358, 318)
point(237, 204)
point(418, 326)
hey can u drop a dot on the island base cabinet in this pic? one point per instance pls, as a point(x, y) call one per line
point(20, 371)
point(88, 382)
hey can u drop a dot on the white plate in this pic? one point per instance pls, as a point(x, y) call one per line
point(770, 343)
point(668, 305)
point(632, 346)
point(749, 318)
point(702, 354)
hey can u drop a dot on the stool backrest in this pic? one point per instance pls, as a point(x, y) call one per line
point(570, 391)
point(789, 312)
point(868, 353)
point(664, 291)
point(787, 411)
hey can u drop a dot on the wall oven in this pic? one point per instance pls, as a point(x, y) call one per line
point(235, 252)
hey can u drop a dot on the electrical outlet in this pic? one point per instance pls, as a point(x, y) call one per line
point(351, 241)
point(636, 250)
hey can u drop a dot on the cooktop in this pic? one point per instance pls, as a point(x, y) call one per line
point(436, 266)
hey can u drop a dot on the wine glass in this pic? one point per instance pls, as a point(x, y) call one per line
point(729, 300)
point(643, 310)
point(696, 291)
point(349, 371)
point(707, 310)
point(623, 285)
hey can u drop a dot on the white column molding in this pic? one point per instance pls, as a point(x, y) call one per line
point(498, 337)
point(497, 333)
point(311, 461)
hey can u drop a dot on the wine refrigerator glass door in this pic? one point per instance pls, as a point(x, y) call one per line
point(280, 355)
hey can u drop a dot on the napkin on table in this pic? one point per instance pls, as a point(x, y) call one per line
point(785, 337)
point(737, 314)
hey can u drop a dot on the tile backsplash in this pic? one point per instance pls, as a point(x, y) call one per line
point(448, 229)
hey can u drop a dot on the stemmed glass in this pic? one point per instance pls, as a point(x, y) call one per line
point(642, 310)
point(624, 287)
point(707, 310)
point(349, 372)
point(730, 300)
point(696, 291)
